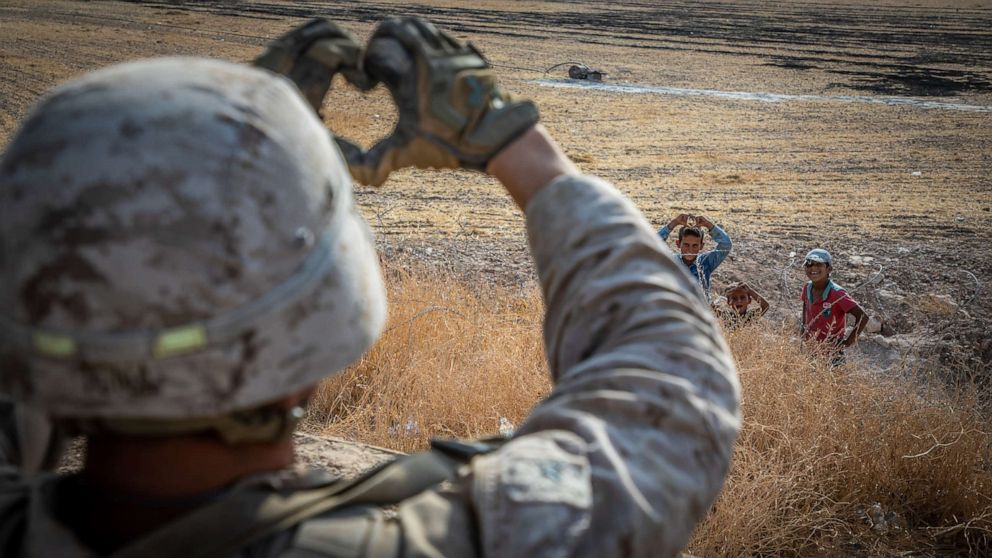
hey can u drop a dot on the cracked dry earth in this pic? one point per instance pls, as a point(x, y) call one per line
point(900, 193)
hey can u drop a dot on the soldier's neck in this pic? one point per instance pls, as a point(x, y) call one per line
point(131, 487)
point(176, 467)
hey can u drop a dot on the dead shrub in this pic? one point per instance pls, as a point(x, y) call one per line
point(830, 460)
point(841, 460)
point(454, 359)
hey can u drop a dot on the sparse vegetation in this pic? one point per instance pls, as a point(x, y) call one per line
point(820, 446)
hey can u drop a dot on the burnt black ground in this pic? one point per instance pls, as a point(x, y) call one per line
point(920, 51)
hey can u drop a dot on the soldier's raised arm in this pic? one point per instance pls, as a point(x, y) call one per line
point(633, 444)
point(639, 428)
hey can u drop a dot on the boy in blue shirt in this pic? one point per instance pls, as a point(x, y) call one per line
point(690, 242)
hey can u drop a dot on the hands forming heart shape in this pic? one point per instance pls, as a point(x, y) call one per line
point(452, 112)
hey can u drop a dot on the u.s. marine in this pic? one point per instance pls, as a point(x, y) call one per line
point(181, 262)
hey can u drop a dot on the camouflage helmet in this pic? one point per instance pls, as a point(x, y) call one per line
point(178, 240)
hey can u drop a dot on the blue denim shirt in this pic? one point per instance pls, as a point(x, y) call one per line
point(702, 267)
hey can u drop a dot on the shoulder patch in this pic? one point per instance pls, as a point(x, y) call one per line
point(540, 471)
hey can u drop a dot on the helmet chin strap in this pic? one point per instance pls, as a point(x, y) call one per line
point(28, 439)
point(267, 424)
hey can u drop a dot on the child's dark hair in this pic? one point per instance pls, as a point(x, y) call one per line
point(690, 231)
point(733, 287)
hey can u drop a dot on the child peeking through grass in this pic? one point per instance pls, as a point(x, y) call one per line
point(738, 311)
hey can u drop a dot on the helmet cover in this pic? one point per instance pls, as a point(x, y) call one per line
point(178, 239)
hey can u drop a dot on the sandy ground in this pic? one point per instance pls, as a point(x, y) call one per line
point(901, 194)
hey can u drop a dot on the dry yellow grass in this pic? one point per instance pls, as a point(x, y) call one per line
point(819, 447)
point(455, 358)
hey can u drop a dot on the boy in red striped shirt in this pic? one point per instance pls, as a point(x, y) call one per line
point(825, 308)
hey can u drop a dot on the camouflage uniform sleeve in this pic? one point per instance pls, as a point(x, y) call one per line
point(632, 446)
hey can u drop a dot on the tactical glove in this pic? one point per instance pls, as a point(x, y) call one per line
point(452, 114)
point(310, 56)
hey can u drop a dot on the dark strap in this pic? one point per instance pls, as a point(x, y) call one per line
point(253, 513)
point(248, 515)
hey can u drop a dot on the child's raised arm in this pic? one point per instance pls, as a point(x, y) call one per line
point(680, 219)
point(757, 297)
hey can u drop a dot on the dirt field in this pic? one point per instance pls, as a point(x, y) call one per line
point(900, 193)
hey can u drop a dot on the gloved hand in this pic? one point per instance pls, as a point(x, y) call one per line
point(452, 114)
point(310, 55)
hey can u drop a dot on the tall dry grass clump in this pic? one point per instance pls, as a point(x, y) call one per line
point(455, 358)
point(831, 461)
point(845, 461)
